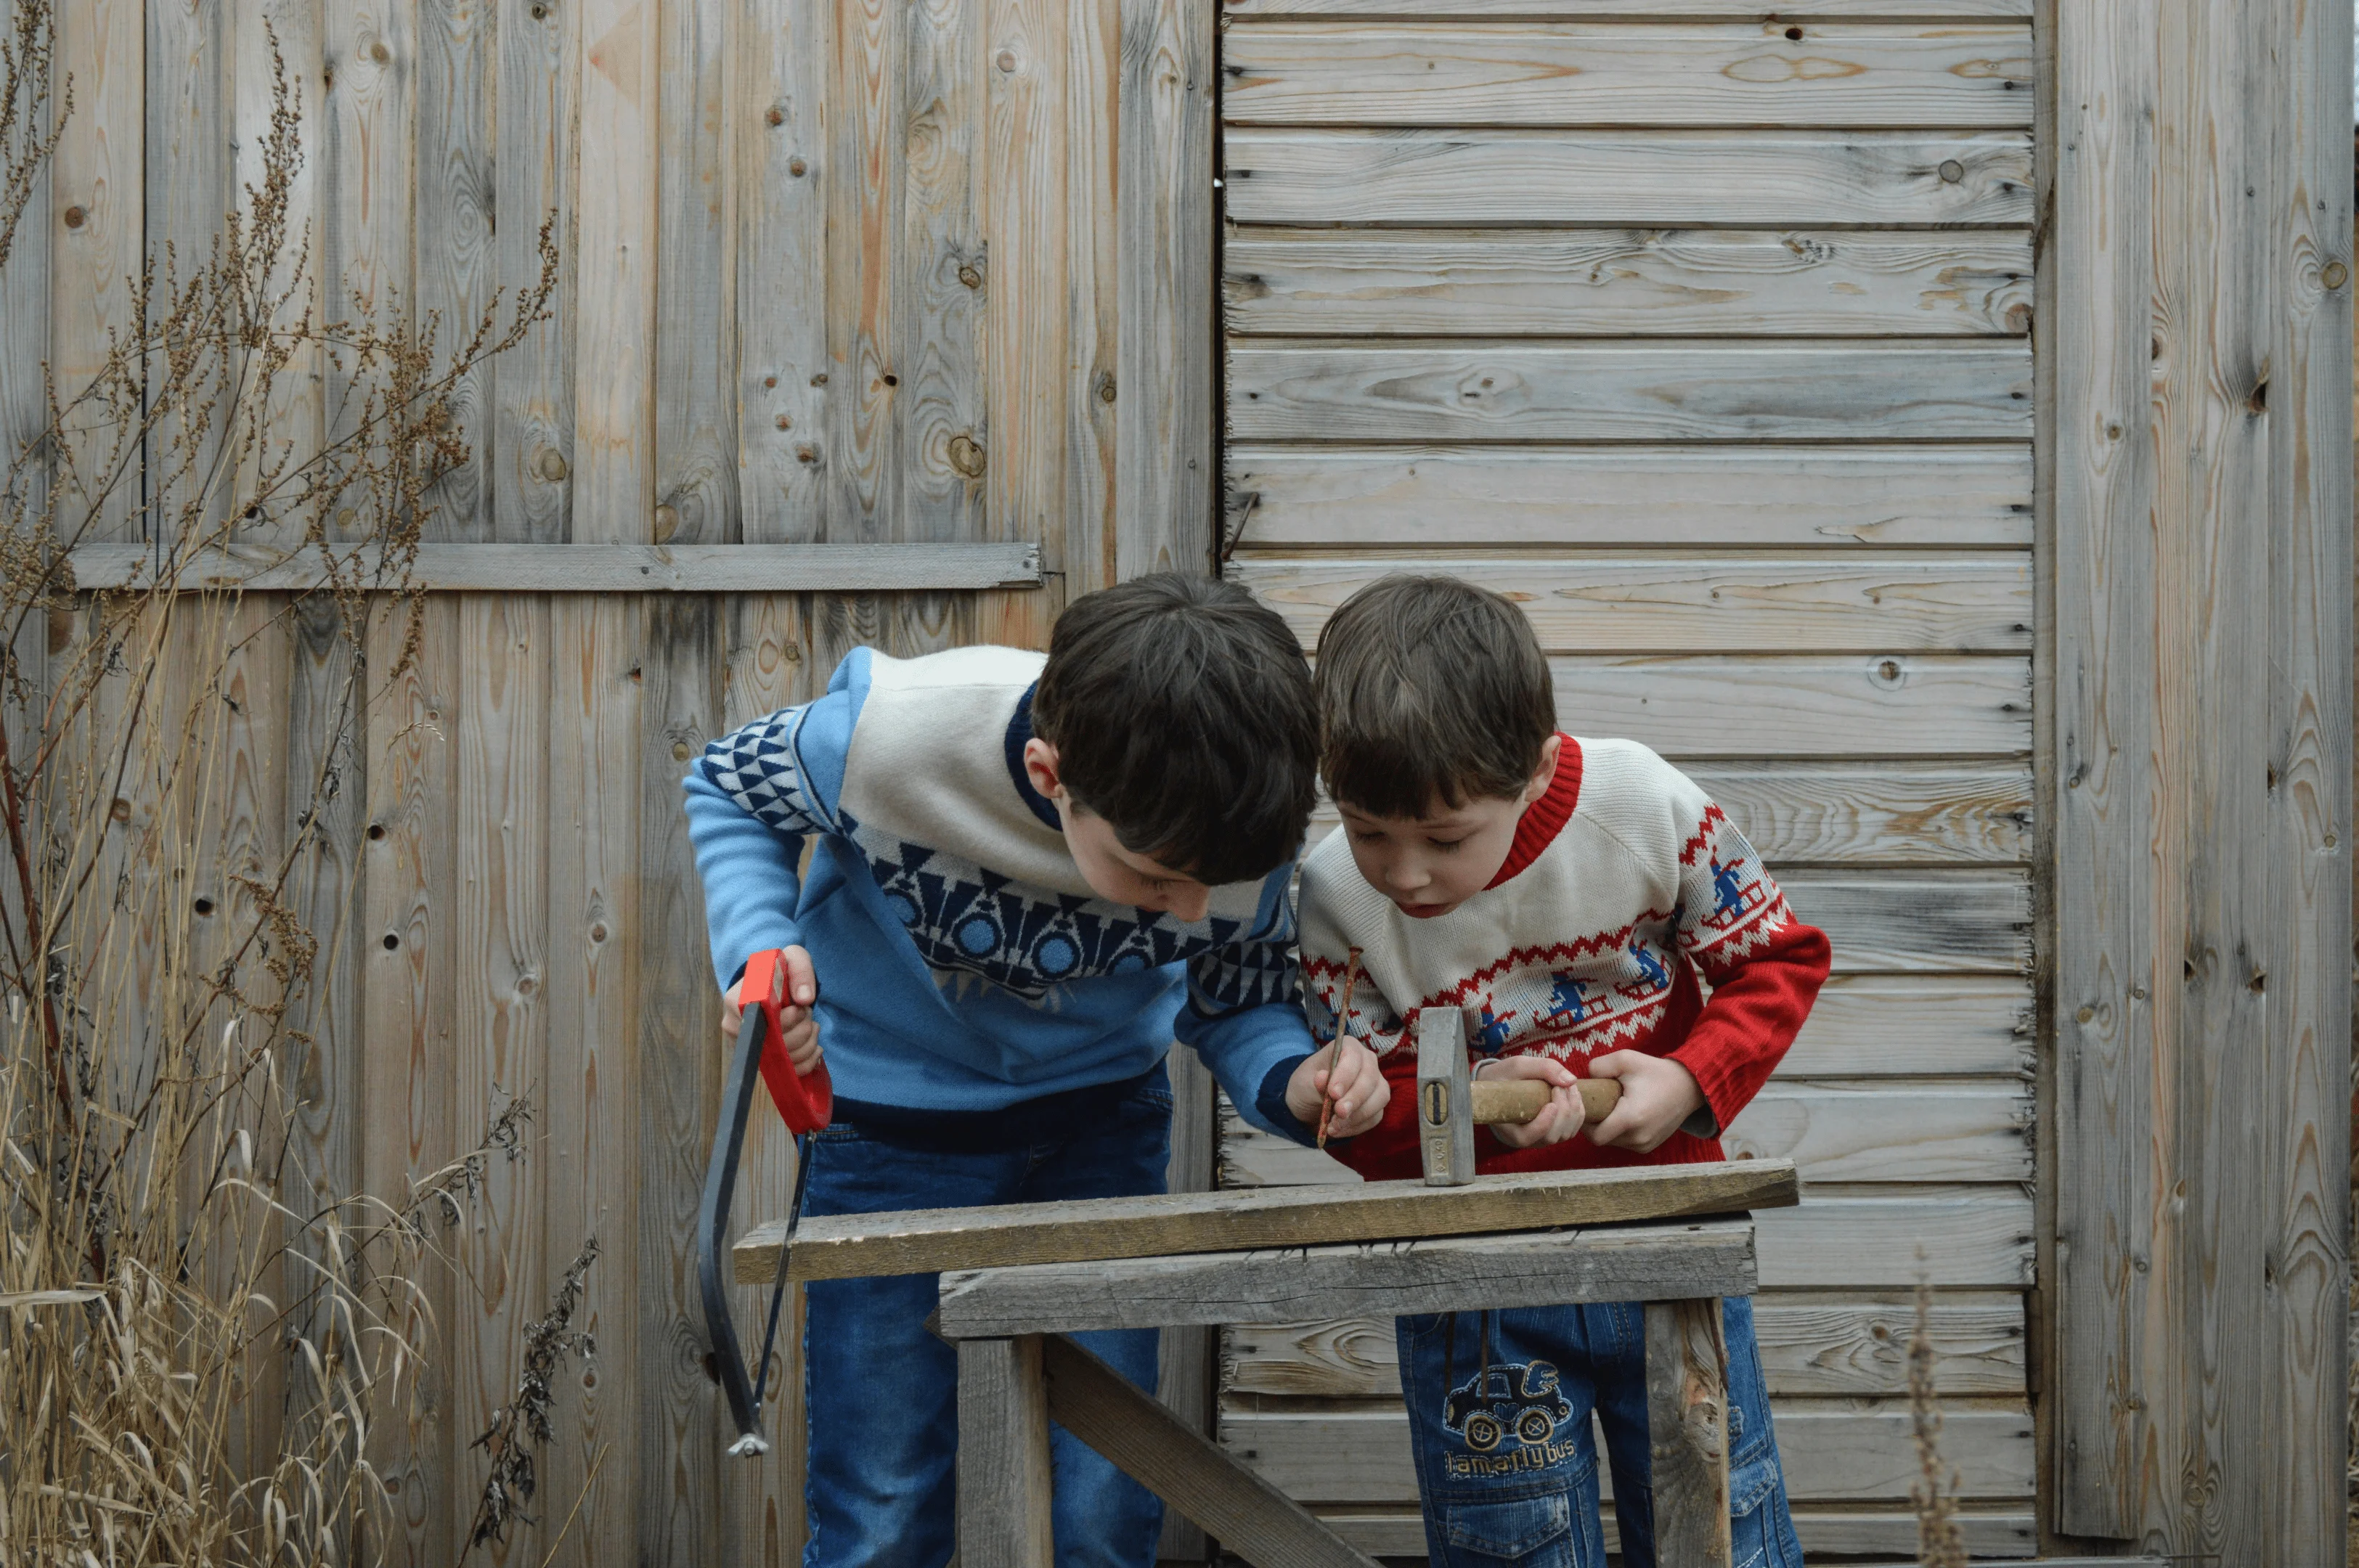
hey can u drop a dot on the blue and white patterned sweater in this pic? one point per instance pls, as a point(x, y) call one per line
point(963, 964)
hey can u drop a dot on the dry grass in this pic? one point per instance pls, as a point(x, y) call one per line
point(1939, 1543)
point(202, 1327)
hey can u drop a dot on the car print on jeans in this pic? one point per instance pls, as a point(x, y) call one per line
point(1521, 1399)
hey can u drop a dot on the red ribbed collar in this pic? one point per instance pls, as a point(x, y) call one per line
point(1545, 817)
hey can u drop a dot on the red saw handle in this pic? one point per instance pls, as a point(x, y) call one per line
point(805, 1100)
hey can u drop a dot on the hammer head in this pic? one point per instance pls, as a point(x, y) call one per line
point(1445, 1107)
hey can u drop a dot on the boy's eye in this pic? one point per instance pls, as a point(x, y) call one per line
point(1445, 843)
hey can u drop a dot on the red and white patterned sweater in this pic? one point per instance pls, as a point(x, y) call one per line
point(1623, 884)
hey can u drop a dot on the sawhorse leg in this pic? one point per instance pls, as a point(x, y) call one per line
point(1687, 1412)
point(1003, 1455)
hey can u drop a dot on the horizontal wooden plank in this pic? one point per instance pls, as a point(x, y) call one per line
point(1869, 813)
point(593, 568)
point(1885, 923)
point(1456, 1274)
point(1624, 74)
point(915, 1241)
point(1286, 390)
point(1867, 1026)
point(1796, 705)
point(1832, 1133)
point(1657, 498)
point(1828, 1450)
point(1834, 1243)
point(1726, 178)
point(1777, 17)
point(1627, 283)
point(1811, 1346)
point(1836, 1532)
point(1816, 600)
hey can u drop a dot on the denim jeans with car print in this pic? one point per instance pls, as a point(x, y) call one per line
point(1499, 1412)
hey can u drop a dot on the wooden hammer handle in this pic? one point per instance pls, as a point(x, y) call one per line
point(1517, 1100)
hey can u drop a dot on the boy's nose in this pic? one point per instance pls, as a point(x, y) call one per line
point(1407, 875)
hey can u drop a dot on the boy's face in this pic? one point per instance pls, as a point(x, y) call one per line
point(1116, 874)
point(1429, 865)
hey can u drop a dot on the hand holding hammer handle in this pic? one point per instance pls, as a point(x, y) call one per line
point(1515, 1101)
point(1451, 1105)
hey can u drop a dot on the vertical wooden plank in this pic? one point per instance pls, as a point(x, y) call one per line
point(364, 151)
point(531, 452)
point(1002, 1460)
point(1186, 1358)
point(455, 254)
point(297, 403)
point(1164, 373)
point(863, 211)
point(1027, 307)
point(1093, 268)
point(782, 271)
point(696, 314)
point(613, 344)
point(681, 1417)
point(2098, 445)
point(1687, 1414)
point(25, 307)
point(95, 229)
point(500, 1044)
point(408, 964)
point(767, 670)
point(2309, 551)
point(591, 1114)
point(191, 123)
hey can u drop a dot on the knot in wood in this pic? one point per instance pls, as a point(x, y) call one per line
point(967, 456)
point(75, 217)
point(552, 465)
point(1951, 171)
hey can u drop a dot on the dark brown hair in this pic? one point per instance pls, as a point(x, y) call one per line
point(1431, 692)
point(1182, 713)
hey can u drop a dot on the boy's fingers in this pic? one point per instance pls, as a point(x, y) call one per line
point(802, 982)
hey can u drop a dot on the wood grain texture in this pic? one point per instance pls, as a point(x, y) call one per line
point(1002, 1454)
point(1185, 1371)
point(1450, 1274)
point(1880, 1533)
point(1570, 74)
point(1627, 283)
point(455, 211)
point(1092, 32)
point(698, 123)
point(1710, 10)
point(1822, 601)
point(615, 308)
point(1163, 371)
point(1919, 922)
point(935, 353)
point(96, 227)
point(1686, 1421)
point(924, 1241)
point(1840, 1449)
point(1954, 1237)
point(1188, 1471)
point(609, 569)
point(368, 172)
point(1282, 498)
point(189, 157)
point(1866, 1025)
point(1812, 1344)
point(864, 194)
point(1706, 391)
point(536, 100)
point(783, 166)
point(1754, 179)
point(1800, 705)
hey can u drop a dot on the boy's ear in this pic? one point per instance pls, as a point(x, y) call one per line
point(1545, 775)
point(1040, 767)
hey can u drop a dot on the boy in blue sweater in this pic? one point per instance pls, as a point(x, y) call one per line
point(1027, 877)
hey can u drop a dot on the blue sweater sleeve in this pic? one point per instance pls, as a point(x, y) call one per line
point(1244, 1014)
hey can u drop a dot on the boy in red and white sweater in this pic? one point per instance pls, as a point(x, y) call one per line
point(1570, 895)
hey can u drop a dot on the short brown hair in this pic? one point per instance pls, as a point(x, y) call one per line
point(1432, 691)
point(1181, 712)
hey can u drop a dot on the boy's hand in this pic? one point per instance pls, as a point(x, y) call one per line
point(1658, 1094)
point(1361, 1092)
point(800, 1027)
point(1559, 1119)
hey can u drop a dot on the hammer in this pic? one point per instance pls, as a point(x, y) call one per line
point(1451, 1105)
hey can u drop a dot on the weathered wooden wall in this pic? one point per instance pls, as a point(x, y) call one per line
point(1704, 337)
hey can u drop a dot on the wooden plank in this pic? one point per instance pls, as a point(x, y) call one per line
point(783, 160)
point(613, 321)
point(1658, 498)
point(1800, 705)
point(1854, 1450)
point(1874, 75)
point(934, 372)
point(924, 1241)
point(863, 113)
point(1003, 1457)
point(367, 171)
point(1945, 1238)
point(1821, 601)
point(1624, 392)
point(535, 102)
point(95, 230)
point(1885, 1535)
point(1092, 33)
point(1711, 10)
point(1163, 371)
point(1864, 1026)
point(599, 568)
point(1185, 1374)
point(1454, 1273)
point(1192, 1473)
point(1812, 1344)
point(1529, 178)
point(454, 210)
point(1687, 1424)
point(1963, 922)
point(297, 415)
point(697, 124)
point(1627, 283)
point(191, 134)
point(1948, 1132)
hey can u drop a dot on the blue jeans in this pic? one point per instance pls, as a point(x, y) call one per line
point(1498, 1416)
point(882, 1393)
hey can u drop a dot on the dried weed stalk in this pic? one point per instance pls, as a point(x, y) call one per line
point(202, 1325)
point(518, 1428)
point(1940, 1543)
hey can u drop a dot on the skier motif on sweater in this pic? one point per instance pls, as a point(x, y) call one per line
point(1626, 886)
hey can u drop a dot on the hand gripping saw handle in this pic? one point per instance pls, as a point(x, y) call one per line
point(807, 1103)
